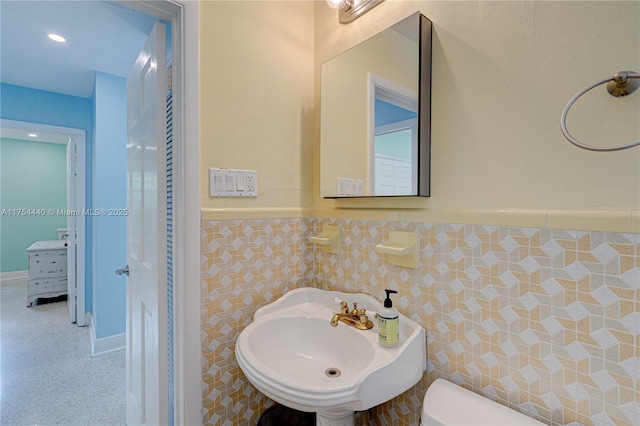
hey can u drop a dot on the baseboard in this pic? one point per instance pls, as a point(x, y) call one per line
point(104, 345)
point(14, 275)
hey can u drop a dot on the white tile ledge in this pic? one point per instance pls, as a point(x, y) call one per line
point(612, 220)
point(607, 220)
point(208, 213)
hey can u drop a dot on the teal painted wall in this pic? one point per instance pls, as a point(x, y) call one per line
point(397, 144)
point(33, 175)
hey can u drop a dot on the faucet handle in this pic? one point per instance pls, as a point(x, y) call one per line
point(344, 307)
point(364, 319)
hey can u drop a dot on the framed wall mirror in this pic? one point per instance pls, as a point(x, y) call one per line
point(376, 115)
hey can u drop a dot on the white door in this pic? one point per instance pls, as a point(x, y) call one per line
point(392, 175)
point(146, 235)
point(71, 231)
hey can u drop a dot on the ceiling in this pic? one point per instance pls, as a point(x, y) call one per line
point(101, 36)
point(40, 136)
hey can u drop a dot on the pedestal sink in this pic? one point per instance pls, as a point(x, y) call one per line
point(294, 356)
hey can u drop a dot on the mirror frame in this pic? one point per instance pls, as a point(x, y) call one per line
point(424, 109)
point(424, 115)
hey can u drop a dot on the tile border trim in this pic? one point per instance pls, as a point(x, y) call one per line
point(208, 213)
point(624, 221)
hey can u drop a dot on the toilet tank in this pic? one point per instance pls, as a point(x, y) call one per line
point(448, 404)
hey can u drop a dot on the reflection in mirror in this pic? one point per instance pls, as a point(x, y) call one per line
point(375, 121)
point(394, 157)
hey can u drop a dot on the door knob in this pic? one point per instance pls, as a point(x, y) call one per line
point(124, 270)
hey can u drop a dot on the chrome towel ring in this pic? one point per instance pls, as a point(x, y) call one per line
point(622, 83)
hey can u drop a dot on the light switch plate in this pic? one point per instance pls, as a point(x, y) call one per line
point(232, 183)
point(350, 187)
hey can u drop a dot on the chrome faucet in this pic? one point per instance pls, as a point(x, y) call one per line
point(356, 318)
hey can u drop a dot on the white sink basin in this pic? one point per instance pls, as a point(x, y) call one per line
point(293, 355)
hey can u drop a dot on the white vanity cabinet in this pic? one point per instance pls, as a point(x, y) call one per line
point(47, 270)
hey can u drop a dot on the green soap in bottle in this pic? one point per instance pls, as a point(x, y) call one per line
point(388, 324)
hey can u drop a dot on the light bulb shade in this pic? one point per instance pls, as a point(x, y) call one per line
point(349, 10)
point(337, 4)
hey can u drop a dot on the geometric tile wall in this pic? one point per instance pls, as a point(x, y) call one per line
point(544, 321)
point(244, 265)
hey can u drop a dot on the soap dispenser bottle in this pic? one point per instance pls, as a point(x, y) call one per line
point(388, 324)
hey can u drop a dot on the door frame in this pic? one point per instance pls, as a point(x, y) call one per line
point(81, 141)
point(184, 18)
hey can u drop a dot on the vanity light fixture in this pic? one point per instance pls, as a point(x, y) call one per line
point(32, 135)
point(350, 10)
point(56, 37)
point(338, 4)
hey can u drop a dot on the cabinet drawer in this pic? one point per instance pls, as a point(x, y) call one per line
point(46, 285)
point(48, 264)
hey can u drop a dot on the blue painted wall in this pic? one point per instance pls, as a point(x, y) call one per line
point(387, 113)
point(54, 109)
point(109, 192)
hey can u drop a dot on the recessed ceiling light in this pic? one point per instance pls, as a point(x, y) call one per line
point(33, 135)
point(56, 37)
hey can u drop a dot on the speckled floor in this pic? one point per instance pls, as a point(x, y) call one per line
point(47, 375)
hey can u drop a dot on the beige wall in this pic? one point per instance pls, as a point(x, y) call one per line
point(502, 73)
point(257, 98)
